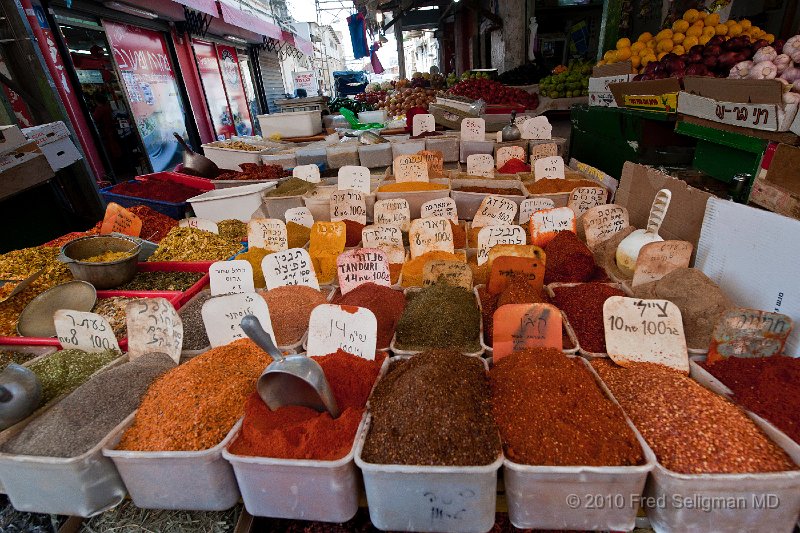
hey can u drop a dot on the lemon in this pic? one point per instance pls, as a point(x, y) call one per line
point(664, 34)
point(691, 15)
point(646, 36)
point(623, 43)
point(680, 26)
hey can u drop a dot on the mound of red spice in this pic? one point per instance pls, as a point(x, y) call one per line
point(569, 260)
point(294, 432)
point(514, 165)
point(583, 305)
point(386, 303)
point(768, 386)
point(353, 232)
point(165, 191)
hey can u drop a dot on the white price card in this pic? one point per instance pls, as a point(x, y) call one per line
point(231, 277)
point(473, 129)
point(289, 267)
point(421, 123)
point(267, 233)
point(742, 332)
point(489, 236)
point(393, 212)
point(309, 173)
point(223, 316)
point(581, 199)
point(199, 223)
point(342, 327)
point(299, 215)
point(530, 205)
point(440, 207)
point(348, 205)
point(539, 151)
point(154, 326)
point(353, 177)
point(410, 167)
point(645, 331)
point(381, 234)
point(546, 223)
point(493, 211)
point(657, 259)
point(603, 222)
point(85, 331)
point(364, 265)
point(456, 273)
point(480, 165)
point(535, 128)
point(549, 168)
point(507, 153)
point(430, 234)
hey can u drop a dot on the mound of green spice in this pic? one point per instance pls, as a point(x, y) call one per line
point(65, 370)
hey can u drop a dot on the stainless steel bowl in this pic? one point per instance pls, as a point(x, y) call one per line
point(107, 275)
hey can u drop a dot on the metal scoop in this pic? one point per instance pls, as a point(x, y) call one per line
point(19, 285)
point(197, 164)
point(292, 379)
point(20, 393)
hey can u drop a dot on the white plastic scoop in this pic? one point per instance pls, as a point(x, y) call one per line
point(628, 249)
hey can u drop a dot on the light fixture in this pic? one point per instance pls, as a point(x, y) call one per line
point(236, 39)
point(379, 17)
point(131, 10)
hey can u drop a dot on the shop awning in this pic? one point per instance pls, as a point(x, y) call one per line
point(208, 7)
point(247, 21)
point(304, 46)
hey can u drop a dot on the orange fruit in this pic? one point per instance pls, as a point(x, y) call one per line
point(648, 59)
point(769, 37)
point(610, 55)
point(694, 31)
point(744, 23)
point(690, 41)
point(661, 55)
point(722, 29)
point(734, 30)
point(679, 50)
point(636, 61)
point(623, 54)
point(680, 26)
point(704, 39)
point(623, 43)
point(712, 19)
point(691, 15)
point(710, 31)
point(646, 36)
point(664, 34)
point(666, 45)
point(638, 47)
point(678, 38)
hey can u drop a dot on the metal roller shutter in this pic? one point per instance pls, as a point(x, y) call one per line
point(272, 78)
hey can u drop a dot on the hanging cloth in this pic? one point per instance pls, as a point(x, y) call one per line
point(358, 35)
point(377, 68)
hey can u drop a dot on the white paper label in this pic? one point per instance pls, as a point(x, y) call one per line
point(551, 220)
point(440, 207)
point(536, 128)
point(85, 331)
point(289, 267)
point(342, 327)
point(231, 277)
point(657, 259)
point(410, 167)
point(421, 123)
point(581, 199)
point(495, 210)
point(348, 205)
point(154, 326)
point(473, 129)
point(267, 233)
point(199, 223)
point(602, 222)
point(480, 165)
point(530, 205)
point(499, 137)
point(538, 151)
point(394, 212)
point(309, 173)
point(299, 215)
point(354, 177)
point(430, 234)
point(365, 265)
point(507, 153)
point(549, 167)
point(645, 331)
point(381, 234)
point(488, 236)
point(223, 316)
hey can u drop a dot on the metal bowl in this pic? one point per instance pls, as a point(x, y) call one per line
point(107, 275)
point(36, 320)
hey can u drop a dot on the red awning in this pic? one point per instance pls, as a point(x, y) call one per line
point(287, 37)
point(247, 21)
point(304, 46)
point(208, 7)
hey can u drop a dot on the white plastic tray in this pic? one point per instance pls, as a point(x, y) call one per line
point(232, 202)
point(193, 481)
point(744, 502)
point(415, 199)
point(469, 202)
point(576, 497)
point(325, 491)
point(228, 158)
point(398, 351)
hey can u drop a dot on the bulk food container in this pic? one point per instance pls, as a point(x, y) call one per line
point(415, 199)
point(230, 158)
point(233, 202)
point(291, 124)
point(469, 202)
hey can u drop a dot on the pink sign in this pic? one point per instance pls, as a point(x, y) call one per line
point(231, 77)
point(217, 101)
point(364, 265)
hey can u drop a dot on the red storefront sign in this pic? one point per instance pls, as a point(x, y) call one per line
point(231, 76)
point(146, 72)
point(208, 68)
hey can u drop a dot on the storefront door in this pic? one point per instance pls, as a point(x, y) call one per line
point(217, 100)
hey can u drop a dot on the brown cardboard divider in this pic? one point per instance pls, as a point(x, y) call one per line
point(650, 87)
point(737, 91)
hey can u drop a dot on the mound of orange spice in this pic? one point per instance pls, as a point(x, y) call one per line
point(193, 406)
point(295, 432)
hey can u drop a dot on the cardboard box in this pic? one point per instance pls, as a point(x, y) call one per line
point(602, 77)
point(22, 169)
point(54, 141)
point(777, 188)
point(653, 95)
point(596, 174)
point(637, 189)
point(11, 137)
point(756, 104)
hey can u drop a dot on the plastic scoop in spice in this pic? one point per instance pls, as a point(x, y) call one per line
point(20, 392)
point(290, 380)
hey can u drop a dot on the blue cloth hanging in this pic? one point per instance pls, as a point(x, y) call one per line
point(358, 35)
